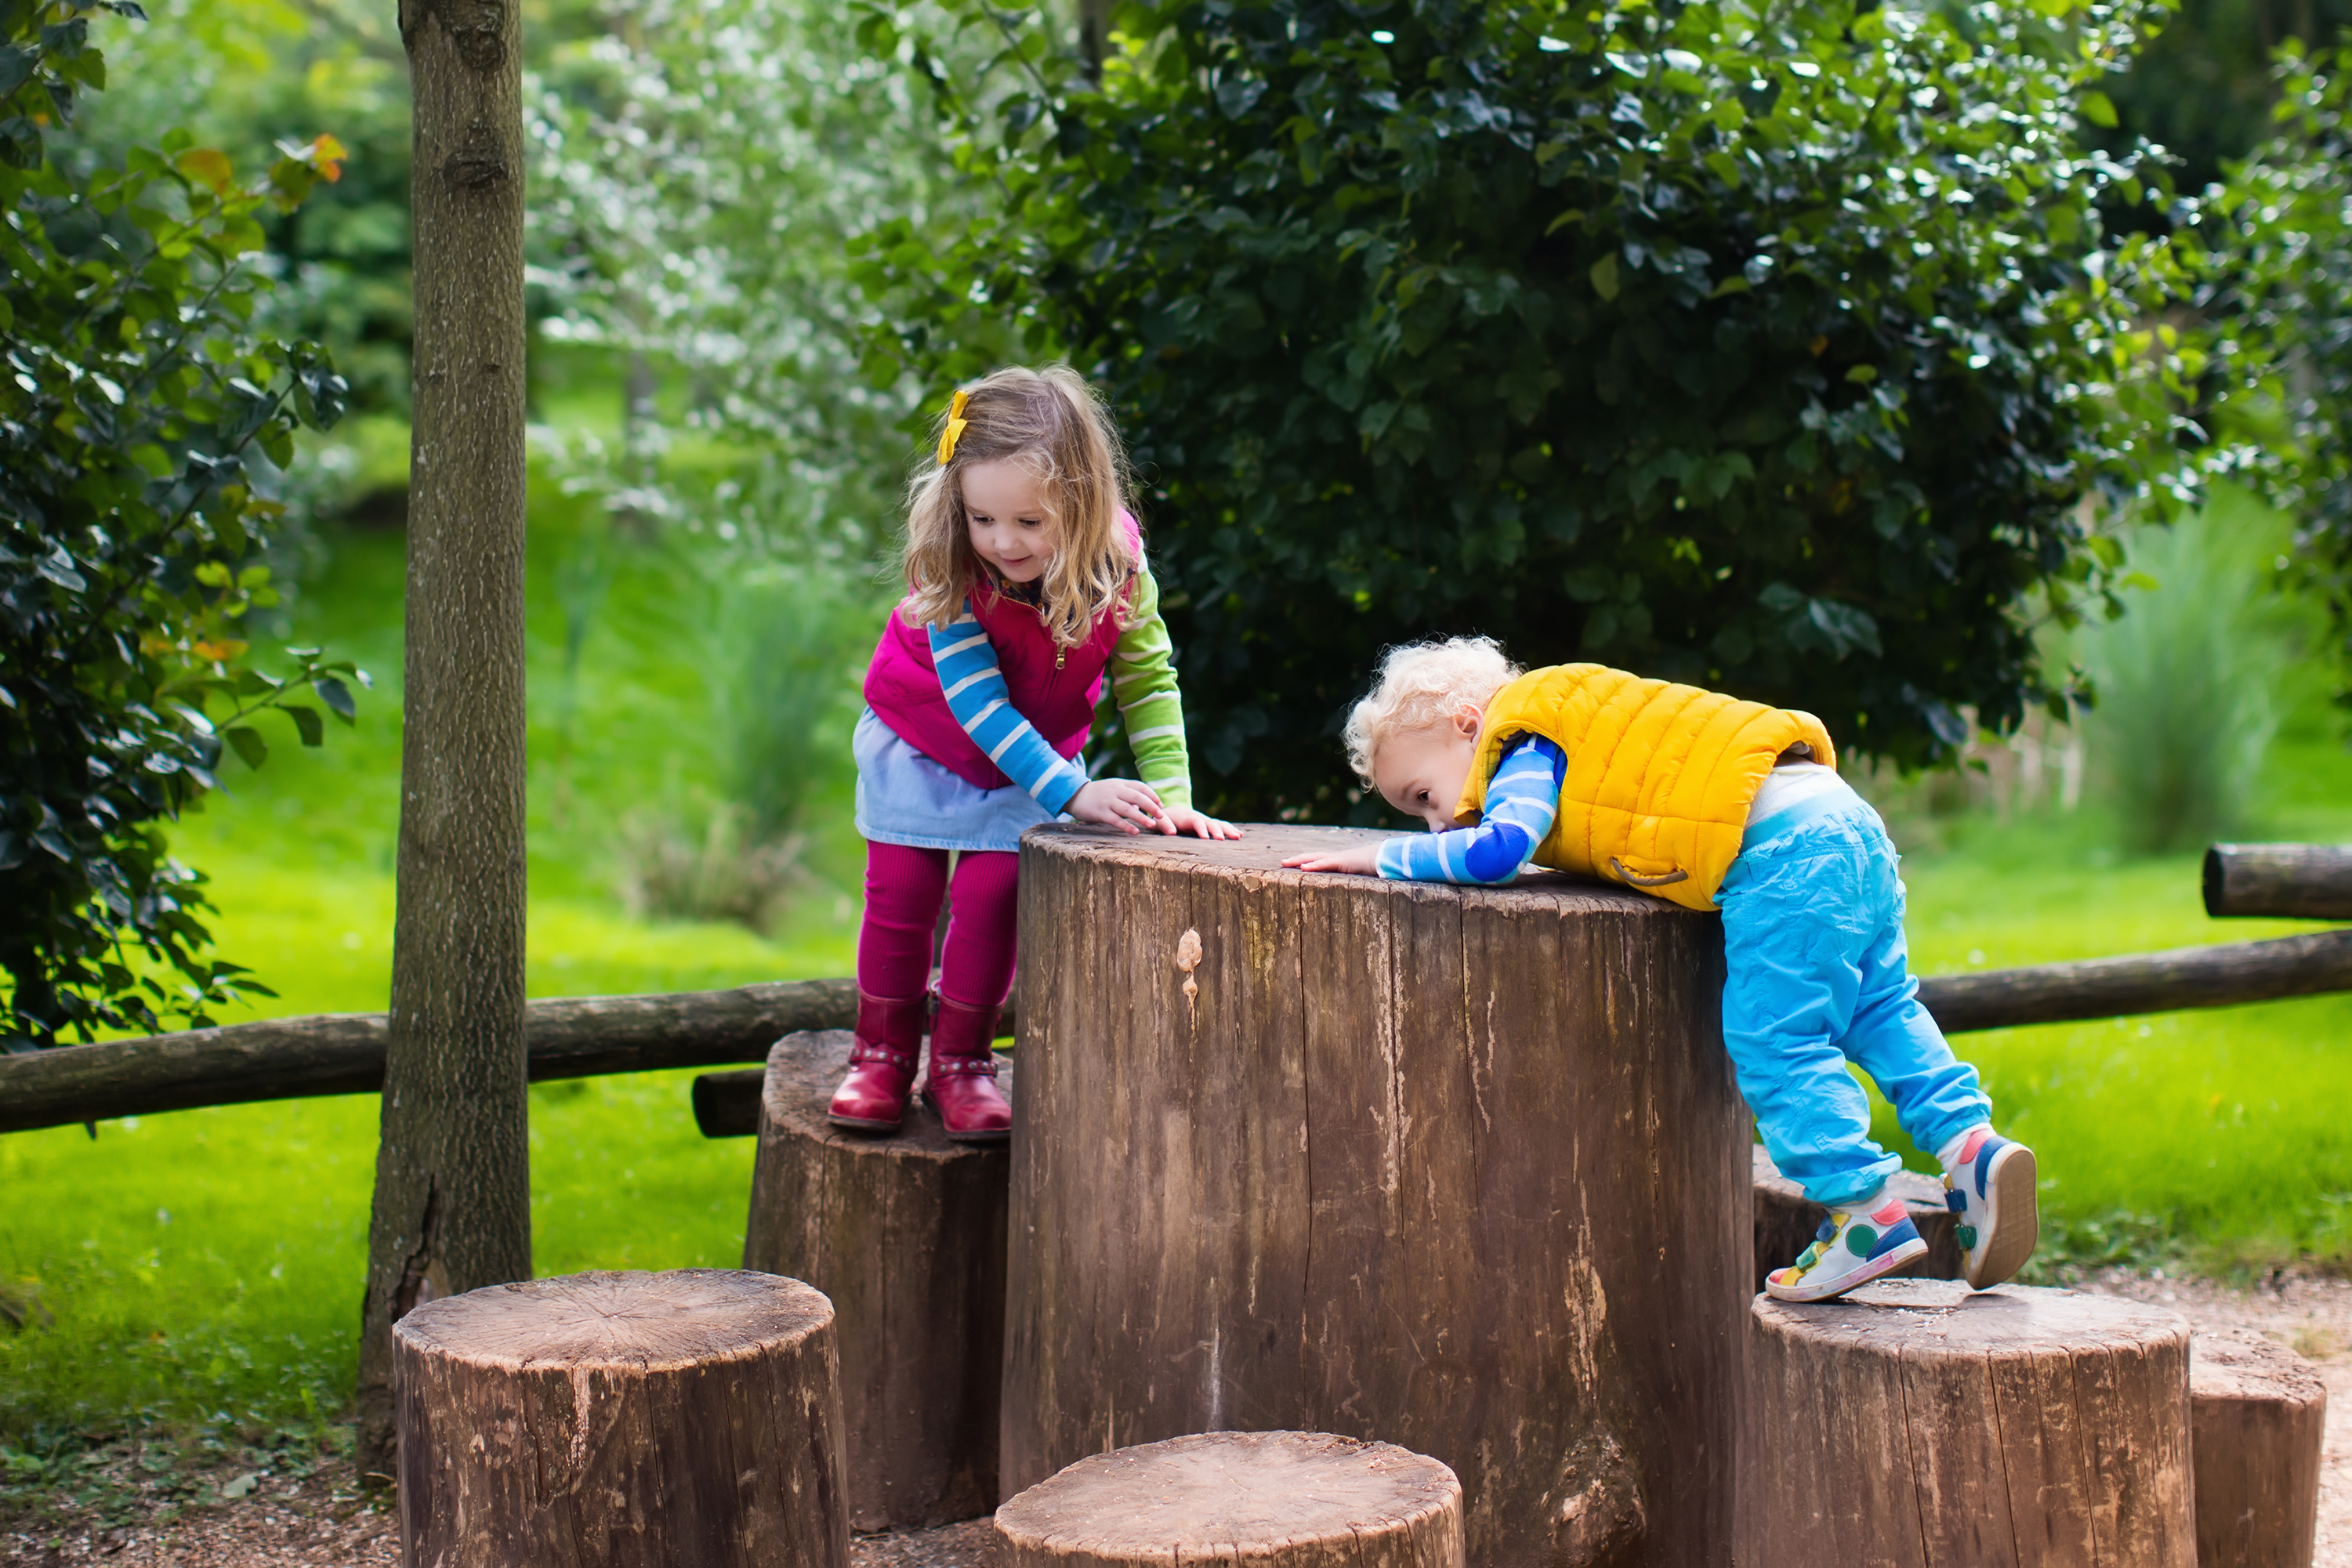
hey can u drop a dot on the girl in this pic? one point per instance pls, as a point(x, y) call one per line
point(1025, 581)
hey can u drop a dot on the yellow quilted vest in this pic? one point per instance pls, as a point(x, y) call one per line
point(1659, 776)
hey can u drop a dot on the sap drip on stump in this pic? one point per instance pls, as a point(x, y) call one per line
point(1458, 1169)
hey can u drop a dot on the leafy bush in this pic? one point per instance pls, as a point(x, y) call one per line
point(2275, 245)
point(1772, 350)
point(139, 413)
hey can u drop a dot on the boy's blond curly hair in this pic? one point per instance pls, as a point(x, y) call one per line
point(1420, 686)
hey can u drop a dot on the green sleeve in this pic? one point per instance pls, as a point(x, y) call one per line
point(1143, 684)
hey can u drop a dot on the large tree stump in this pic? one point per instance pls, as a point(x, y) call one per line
point(1273, 1500)
point(1913, 1424)
point(2258, 1417)
point(906, 1234)
point(1462, 1169)
point(1786, 1220)
point(619, 1420)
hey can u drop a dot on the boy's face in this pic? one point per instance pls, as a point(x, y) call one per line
point(1421, 771)
point(1010, 527)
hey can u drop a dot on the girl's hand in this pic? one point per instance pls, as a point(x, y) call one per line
point(1121, 804)
point(1199, 824)
point(1362, 859)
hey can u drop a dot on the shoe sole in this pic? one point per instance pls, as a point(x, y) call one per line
point(2012, 1220)
point(860, 1125)
point(1884, 1264)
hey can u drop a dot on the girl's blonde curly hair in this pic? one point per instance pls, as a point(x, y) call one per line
point(1052, 423)
point(1419, 686)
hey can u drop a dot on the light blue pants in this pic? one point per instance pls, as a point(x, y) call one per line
point(1817, 975)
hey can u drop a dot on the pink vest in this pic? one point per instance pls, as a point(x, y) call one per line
point(902, 685)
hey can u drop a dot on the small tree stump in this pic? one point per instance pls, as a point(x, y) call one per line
point(1273, 1500)
point(1463, 1169)
point(1786, 1220)
point(621, 1419)
point(1913, 1424)
point(906, 1234)
point(2258, 1416)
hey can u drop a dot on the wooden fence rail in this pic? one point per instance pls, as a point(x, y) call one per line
point(343, 1053)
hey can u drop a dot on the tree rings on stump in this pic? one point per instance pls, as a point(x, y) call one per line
point(1273, 1500)
point(1913, 1424)
point(1462, 1169)
point(622, 1420)
point(906, 1235)
point(2258, 1416)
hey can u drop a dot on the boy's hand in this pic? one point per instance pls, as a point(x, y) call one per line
point(1121, 804)
point(1360, 860)
point(1199, 824)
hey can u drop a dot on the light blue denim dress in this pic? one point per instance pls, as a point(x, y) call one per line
point(905, 798)
point(1818, 976)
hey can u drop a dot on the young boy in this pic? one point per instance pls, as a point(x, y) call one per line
point(1712, 803)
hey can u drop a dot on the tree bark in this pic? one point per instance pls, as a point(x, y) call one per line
point(1272, 1500)
point(1786, 1220)
point(2292, 882)
point(2259, 1418)
point(453, 1182)
point(1462, 1169)
point(2219, 976)
point(906, 1236)
point(1913, 1424)
point(622, 1420)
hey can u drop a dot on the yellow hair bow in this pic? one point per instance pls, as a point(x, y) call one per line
point(956, 422)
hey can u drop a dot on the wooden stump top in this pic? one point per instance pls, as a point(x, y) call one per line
point(2237, 1364)
point(1230, 1495)
point(1255, 862)
point(630, 1321)
point(805, 1069)
point(1926, 1319)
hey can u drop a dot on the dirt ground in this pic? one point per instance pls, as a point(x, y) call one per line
point(128, 1511)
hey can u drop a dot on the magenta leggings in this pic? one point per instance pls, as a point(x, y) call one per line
point(903, 888)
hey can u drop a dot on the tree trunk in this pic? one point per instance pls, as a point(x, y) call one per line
point(622, 1421)
point(453, 1182)
point(1272, 1500)
point(906, 1236)
point(2294, 882)
point(1458, 1168)
point(2258, 1417)
point(1786, 1220)
point(1913, 1424)
point(2217, 976)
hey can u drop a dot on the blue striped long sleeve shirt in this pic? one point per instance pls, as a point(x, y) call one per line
point(974, 683)
point(1522, 801)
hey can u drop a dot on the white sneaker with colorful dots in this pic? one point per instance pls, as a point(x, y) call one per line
point(1989, 1187)
point(1855, 1245)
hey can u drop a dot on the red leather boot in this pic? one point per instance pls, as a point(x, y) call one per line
point(873, 1098)
point(961, 1084)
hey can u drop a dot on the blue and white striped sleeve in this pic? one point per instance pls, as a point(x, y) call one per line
point(974, 683)
point(1522, 801)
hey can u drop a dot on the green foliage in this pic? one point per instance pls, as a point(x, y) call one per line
point(139, 416)
point(2203, 87)
point(2193, 679)
point(1773, 351)
point(2275, 248)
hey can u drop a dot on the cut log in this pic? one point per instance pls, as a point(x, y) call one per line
point(1913, 1424)
point(906, 1235)
point(1458, 1168)
point(622, 1420)
point(343, 1053)
point(2258, 1417)
point(2292, 882)
point(1786, 1221)
point(1272, 1500)
point(2219, 977)
point(726, 1105)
